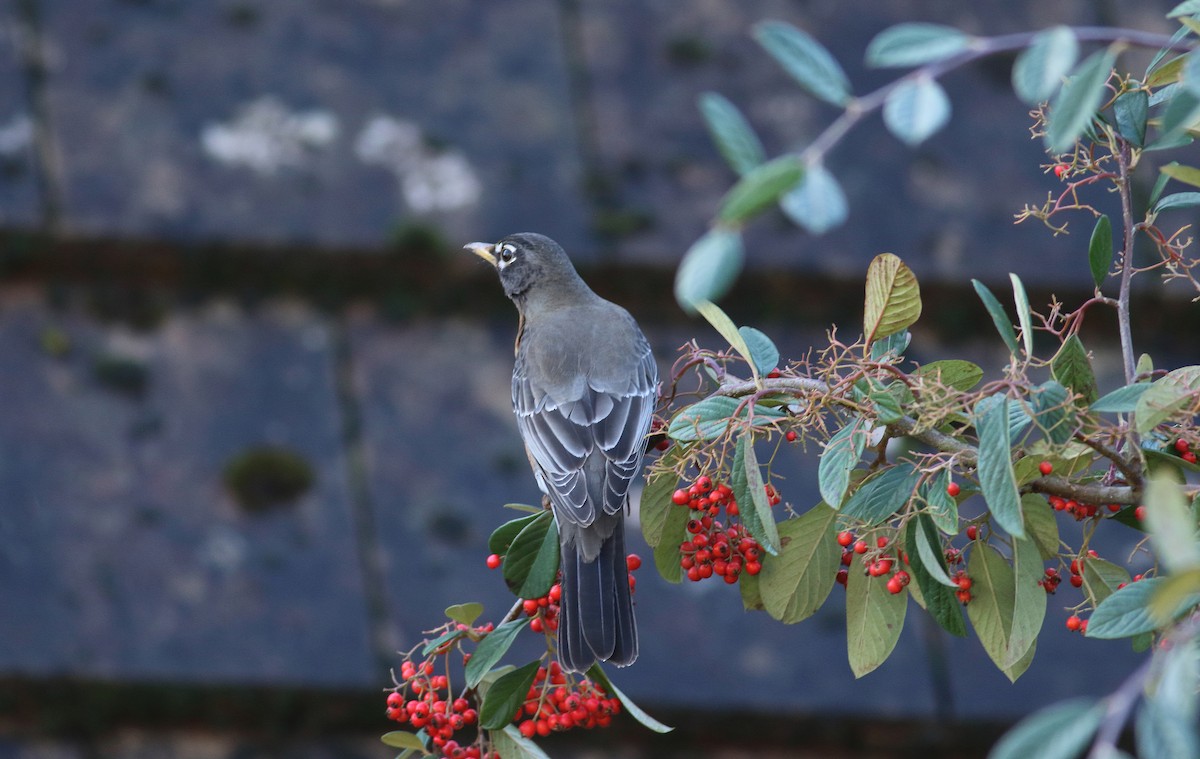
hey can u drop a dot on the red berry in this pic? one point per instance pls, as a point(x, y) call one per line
point(1139, 513)
point(953, 489)
point(972, 532)
point(790, 436)
point(394, 700)
point(633, 562)
point(844, 539)
point(773, 374)
point(843, 576)
point(860, 546)
point(880, 567)
point(679, 498)
point(1076, 581)
point(1074, 623)
point(1045, 468)
point(1189, 457)
point(753, 567)
point(704, 483)
point(894, 585)
point(881, 542)
point(493, 561)
point(1181, 445)
point(1060, 170)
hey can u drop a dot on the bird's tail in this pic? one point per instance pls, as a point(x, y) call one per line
point(596, 611)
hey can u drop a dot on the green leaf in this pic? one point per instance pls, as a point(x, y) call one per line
point(1166, 74)
point(1040, 69)
point(913, 44)
point(1040, 524)
point(1178, 592)
point(760, 189)
point(721, 322)
point(598, 675)
point(806, 60)
point(734, 137)
point(655, 502)
point(1131, 110)
point(940, 601)
point(929, 549)
point(1187, 174)
point(882, 495)
point(1029, 605)
point(505, 696)
point(817, 204)
point(1100, 250)
point(1072, 368)
point(943, 508)
point(1186, 8)
point(1127, 611)
point(441, 640)
point(1167, 396)
point(465, 613)
point(709, 268)
point(750, 493)
point(996, 479)
point(1161, 732)
point(916, 109)
point(955, 373)
point(794, 584)
point(874, 619)
point(710, 418)
point(1024, 313)
point(1078, 100)
point(532, 561)
point(510, 744)
point(893, 300)
point(492, 649)
point(504, 535)
point(403, 739)
point(1053, 413)
point(999, 317)
point(666, 553)
point(1101, 578)
point(1181, 114)
point(892, 346)
point(991, 610)
point(1170, 524)
point(1123, 400)
point(1061, 731)
point(1178, 200)
point(750, 591)
point(841, 454)
point(763, 353)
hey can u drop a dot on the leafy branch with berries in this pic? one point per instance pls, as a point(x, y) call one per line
point(972, 495)
point(937, 482)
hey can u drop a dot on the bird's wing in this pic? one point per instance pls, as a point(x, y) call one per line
point(589, 447)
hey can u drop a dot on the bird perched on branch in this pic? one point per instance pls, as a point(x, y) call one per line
point(583, 389)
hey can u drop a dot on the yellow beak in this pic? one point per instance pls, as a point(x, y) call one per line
point(483, 250)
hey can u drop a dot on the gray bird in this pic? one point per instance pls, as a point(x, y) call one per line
point(583, 389)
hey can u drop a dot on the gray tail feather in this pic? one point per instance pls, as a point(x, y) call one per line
point(596, 618)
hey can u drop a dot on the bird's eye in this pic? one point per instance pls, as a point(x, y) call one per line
point(507, 254)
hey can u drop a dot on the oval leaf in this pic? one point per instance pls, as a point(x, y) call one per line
point(1131, 110)
point(505, 697)
point(840, 456)
point(1166, 397)
point(999, 317)
point(1078, 101)
point(1178, 200)
point(955, 373)
point(1171, 525)
point(736, 140)
point(817, 204)
point(1040, 69)
point(750, 492)
point(1100, 250)
point(465, 613)
point(710, 418)
point(893, 299)
point(1072, 367)
point(709, 268)
point(403, 739)
point(940, 601)
point(794, 584)
point(874, 619)
point(763, 353)
point(1061, 731)
point(1024, 313)
point(916, 109)
point(598, 675)
point(882, 495)
point(806, 60)
point(492, 649)
point(996, 478)
point(510, 744)
point(1126, 612)
point(760, 189)
point(916, 43)
point(532, 561)
point(1123, 400)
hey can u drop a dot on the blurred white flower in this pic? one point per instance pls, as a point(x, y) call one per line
point(266, 137)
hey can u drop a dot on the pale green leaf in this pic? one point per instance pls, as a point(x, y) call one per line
point(710, 418)
point(874, 619)
point(1078, 100)
point(817, 204)
point(883, 495)
point(750, 492)
point(916, 109)
point(1061, 731)
point(759, 189)
point(1024, 313)
point(913, 44)
point(999, 317)
point(736, 140)
point(764, 354)
point(1189, 175)
point(709, 268)
point(1040, 524)
point(1101, 579)
point(840, 456)
point(510, 744)
point(1040, 69)
point(403, 739)
point(1029, 604)
point(1167, 396)
point(1126, 612)
point(794, 584)
point(955, 373)
point(1163, 732)
point(805, 59)
point(1123, 400)
point(991, 609)
point(721, 322)
point(1171, 525)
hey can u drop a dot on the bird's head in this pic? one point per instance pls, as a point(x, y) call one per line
point(527, 263)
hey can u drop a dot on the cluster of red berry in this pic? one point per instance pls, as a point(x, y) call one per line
point(717, 548)
point(554, 704)
point(1050, 580)
point(1075, 624)
point(964, 583)
point(877, 564)
point(1079, 510)
point(545, 610)
point(430, 707)
point(1185, 451)
point(1076, 567)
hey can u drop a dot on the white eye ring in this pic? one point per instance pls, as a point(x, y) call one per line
point(507, 254)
